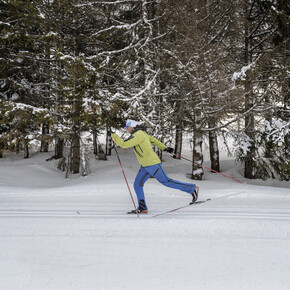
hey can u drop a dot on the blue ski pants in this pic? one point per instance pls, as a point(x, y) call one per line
point(158, 173)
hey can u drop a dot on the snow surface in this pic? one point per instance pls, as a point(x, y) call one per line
point(74, 234)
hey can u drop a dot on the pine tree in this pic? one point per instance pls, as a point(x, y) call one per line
point(22, 77)
point(260, 84)
point(198, 73)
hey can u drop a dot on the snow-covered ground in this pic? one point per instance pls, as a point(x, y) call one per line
point(74, 234)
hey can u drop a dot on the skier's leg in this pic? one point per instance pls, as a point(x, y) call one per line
point(141, 178)
point(162, 177)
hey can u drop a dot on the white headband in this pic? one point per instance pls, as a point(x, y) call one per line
point(132, 123)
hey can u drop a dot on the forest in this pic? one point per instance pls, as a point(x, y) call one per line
point(209, 69)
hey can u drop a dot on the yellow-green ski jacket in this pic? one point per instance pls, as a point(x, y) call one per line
point(142, 143)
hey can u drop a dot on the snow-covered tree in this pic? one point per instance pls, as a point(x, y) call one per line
point(198, 71)
point(70, 67)
point(261, 77)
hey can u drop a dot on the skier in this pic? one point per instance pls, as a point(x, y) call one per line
point(150, 163)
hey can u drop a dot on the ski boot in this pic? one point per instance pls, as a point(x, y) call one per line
point(142, 208)
point(195, 195)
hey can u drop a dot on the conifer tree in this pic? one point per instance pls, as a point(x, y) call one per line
point(22, 77)
point(262, 88)
point(195, 66)
point(199, 70)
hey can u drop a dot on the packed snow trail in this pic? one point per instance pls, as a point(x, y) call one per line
point(238, 240)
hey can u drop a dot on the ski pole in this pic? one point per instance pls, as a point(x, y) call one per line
point(125, 177)
point(208, 168)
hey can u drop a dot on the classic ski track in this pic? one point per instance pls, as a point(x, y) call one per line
point(98, 214)
point(198, 211)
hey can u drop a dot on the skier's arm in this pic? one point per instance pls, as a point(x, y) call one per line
point(157, 143)
point(135, 140)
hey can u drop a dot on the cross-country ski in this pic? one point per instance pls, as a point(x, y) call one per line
point(181, 207)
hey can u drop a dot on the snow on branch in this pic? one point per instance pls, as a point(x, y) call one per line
point(130, 46)
point(108, 3)
point(242, 73)
point(280, 131)
point(148, 85)
point(25, 106)
point(240, 115)
point(124, 26)
point(5, 23)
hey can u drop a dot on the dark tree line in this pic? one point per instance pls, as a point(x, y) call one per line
point(210, 68)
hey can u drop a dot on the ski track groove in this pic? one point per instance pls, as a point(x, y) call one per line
point(92, 213)
point(99, 214)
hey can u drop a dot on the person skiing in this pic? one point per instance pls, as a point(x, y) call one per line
point(150, 163)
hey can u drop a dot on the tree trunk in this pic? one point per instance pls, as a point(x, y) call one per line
point(75, 153)
point(26, 149)
point(101, 153)
point(17, 146)
point(44, 141)
point(58, 150)
point(178, 139)
point(213, 148)
point(250, 133)
point(95, 142)
point(249, 101)
point(286, 114)
point(108, 144)
point(1, 147)
point(249, 161)
point(197, 156)
point(159, 152)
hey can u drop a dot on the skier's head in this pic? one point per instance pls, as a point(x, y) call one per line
point(131, 124)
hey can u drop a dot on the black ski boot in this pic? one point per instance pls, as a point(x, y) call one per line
point(142, 208)
point(195, 195)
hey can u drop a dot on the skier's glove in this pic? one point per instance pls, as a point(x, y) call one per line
point(169, 149)
point(109, 133)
